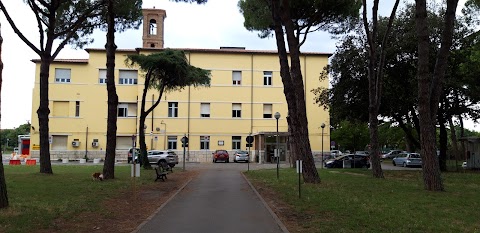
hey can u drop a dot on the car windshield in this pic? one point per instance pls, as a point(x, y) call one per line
point(171, 153)
point(402, 155)
point(242, 152)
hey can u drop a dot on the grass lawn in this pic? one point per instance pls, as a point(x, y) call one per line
point(37, 200)
point(350, 200)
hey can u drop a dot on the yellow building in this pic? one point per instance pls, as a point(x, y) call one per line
point(246, 90)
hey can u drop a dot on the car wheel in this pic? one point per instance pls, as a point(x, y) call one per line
point(394, 164)
point(235, 161)
point(404, 164)
point(227, 161)
point(215, 161)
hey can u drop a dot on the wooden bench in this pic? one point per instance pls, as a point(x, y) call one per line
point(161, 173)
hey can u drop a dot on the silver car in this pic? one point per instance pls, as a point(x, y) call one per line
point(407, 160)
point(240, 155)
point(162, 157)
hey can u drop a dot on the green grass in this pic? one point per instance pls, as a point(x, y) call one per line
point(350, 200)
point(36, 200)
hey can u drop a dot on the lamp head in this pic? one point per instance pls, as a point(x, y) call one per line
point(277, 115)
point(323, 125)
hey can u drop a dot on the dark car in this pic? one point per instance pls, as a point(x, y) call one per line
point(130, 153)
point(220, 155)
point(350, 160)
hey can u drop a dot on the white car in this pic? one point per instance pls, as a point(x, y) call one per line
point(464, 164)
point(335, 153)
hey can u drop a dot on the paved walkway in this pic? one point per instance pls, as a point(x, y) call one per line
point(217, 200)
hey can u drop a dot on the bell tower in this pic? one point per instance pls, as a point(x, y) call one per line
point(153, 27)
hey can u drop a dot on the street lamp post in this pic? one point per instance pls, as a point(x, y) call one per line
point(277, 116)
point(164, 135)
point(323, 127)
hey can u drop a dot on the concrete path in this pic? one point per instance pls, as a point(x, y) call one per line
point(217, 200)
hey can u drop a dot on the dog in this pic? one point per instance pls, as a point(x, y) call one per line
point(97, 176)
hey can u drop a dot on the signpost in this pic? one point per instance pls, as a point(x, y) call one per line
point(184, 145)
point(249, 144)
point(299, 171)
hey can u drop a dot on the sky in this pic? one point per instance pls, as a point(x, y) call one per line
point(212, 25)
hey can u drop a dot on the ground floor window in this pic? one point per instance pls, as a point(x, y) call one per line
point(172, 142)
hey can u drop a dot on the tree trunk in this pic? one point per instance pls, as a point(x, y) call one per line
point(429, 88)
point(442, 158)
point(293, 89)
point(109, 163)
point(143, 160)
point(3, 184)
point(43, 112)
point(453, 135)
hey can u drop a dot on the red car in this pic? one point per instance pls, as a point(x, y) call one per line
point(221, 155)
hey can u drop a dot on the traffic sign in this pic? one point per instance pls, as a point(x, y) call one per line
point(249, 139)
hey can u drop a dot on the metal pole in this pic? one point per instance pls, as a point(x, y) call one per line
point(249, 156)
point(184, 136)
point(322, 147)
point(278, 151)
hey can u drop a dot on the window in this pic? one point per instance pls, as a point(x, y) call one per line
point(77, 108)
point(62, 75)
point(172, 109)
point(267, 111)
point(236, 141)
point(153, 27)
point(172, 142)
point(127, 77)
point(205, 142)
point(236, 110)
point(267, 78)
point(204, 110)
point(127, 110)
point(102, 76)
point(237, 77)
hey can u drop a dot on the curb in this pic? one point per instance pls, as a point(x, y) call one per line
point(160, 208)
point(275, 217)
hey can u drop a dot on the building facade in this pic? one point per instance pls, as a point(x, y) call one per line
point(245, 92)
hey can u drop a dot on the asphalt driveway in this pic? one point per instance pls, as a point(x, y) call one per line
point(218, 200)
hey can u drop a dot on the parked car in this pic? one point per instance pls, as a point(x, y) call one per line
point(220, 155)
point(361, 152)
point(130, 153)
point(241, 155)
point(163, 158)
point(356, 161)
point(391, 154)
point(407, 160)
point(464, 164)
point(335, 153)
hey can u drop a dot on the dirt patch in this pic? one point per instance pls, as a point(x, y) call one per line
point(124, 213)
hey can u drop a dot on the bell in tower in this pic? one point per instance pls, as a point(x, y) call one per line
point(153, 28)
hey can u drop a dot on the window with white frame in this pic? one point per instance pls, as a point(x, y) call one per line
point(128, 77)
point(236, 142)
point(205, 110)
point(102, 76)
point(267, 78)
point(62, 75)
point(205, 142)
point(236, 110)
point(172, 142)
point(172, 109)
point(237, 77)
point(267, 110)
point(127, 110)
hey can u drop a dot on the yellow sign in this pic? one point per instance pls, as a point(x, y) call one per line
point(36, 147)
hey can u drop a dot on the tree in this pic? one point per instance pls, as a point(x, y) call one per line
point(168, 70)
point(295, 19)
point(68, 21)
point(430, 86)
point(376, 62)
point(3, 184)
